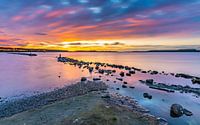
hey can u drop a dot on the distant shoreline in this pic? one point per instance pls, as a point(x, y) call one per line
point(146, 51)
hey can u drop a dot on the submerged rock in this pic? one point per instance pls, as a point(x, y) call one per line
point(132, 87)
point(146, 95)
point(187, 112)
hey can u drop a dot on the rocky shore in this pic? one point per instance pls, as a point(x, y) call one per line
point(131, 70)
point(16, 106)
point(85, 102)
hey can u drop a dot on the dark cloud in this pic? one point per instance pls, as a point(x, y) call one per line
point(41, 34)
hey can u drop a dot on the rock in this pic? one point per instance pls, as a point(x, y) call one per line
point(121, 74)
point(195, 80)
point(132, 72)
point(150, 81)
point(120, 79)
point(144, 71)
point(128, 74)
point(124, 86)
point(117, 88)
point(83, 79)
point(96, 79)
point(186, 76)
point(90, 69)
point(176, 110)
point(154, 72)
point(146, 95)
point(101, 71)
point(125, 83)
point(187, 112)
point(132, 87)
point(97, 68)
point(105, 96)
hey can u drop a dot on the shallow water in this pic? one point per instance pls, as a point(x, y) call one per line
point(25, 76)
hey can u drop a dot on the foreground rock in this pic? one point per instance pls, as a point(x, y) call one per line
point(177, 111)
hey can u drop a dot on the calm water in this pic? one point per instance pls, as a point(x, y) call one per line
point(24, 76)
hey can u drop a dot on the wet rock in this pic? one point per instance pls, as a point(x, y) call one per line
point(176, 110)
point(128, 74)
point(196, 80)
point(121, 74)
point(186, 76)
point(146, 95)
point(90, 69)
point(83, 79)
point(96, 79)
point(150, 81)
point(132, 72)
point(144, 71)
point(132, 87)
point(101, 71)
point(187, 112)
point(154, 72)
point(120, 79)
point(97, 68)
point(171, 88)
point(105, 96)
point(114, 71)
point(125, 82)
point(124, 86)
point(127, 68)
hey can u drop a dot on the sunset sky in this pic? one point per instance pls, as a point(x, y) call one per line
point(99, 24)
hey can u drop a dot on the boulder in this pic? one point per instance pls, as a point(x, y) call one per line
point(176, 110)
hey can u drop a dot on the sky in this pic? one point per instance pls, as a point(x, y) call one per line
point(100, 24)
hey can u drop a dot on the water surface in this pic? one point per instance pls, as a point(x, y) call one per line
point(25, 76)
